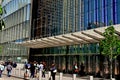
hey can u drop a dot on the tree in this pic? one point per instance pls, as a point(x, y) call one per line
point(2, 11)
point(110, 45)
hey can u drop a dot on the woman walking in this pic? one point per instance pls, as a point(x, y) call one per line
point(53, 71)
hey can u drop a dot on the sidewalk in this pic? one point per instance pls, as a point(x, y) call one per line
point(19, 73)
point(4, 77)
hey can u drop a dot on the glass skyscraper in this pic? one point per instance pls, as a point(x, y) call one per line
point(51, 18)
point(59, 17)
point(17, 29)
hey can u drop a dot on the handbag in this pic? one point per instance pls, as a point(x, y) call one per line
point(54, 71)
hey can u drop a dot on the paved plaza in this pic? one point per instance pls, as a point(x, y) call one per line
point(18, 74)
point(4, 77)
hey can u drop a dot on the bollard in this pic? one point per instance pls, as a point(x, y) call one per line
point(91, 77)
point(61, 76)
point(6, 71)
point(13, 71)
point(19, 72)
point(46, 77)
point(49, 75)
point(40, 75)
point(74, 76)
point(113, 78)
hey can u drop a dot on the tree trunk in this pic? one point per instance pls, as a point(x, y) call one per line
point(111, 68)
point(111, 64)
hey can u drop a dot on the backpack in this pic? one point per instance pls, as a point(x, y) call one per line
point(27, 66)
point(14, 65)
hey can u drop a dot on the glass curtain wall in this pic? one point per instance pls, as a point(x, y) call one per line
point(48, 20)
point(17, 27)
point(67, 16)
point(98, 13)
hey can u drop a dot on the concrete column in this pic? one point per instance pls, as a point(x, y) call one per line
point(74, 76)
point(5, 71)
point(49, 74)
point(46, 77)
point(61, 76)
point(19, 71)
point(13, 71)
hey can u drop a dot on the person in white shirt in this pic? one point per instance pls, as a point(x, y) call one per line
point(41, 66)
point(1, 69)
point(42, 69)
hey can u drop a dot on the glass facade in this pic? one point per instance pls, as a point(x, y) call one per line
point(17, 28)
point(101, 12)
point(67, 16)
point(48, 19)
point(57, 17)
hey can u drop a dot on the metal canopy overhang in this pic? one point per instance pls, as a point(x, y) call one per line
point(81, 37)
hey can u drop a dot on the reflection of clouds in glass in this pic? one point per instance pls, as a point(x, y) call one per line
point(13, 49)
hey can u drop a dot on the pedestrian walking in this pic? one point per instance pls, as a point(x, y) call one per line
point(75, 69)
point(1, 69)
point(26, 75)
point(41, 68)
point(53, 71)
point(9, 69)
point(32, 70)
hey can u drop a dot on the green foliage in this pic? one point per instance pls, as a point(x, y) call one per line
point(1, 10)
point(110, 46)
point(2, 24)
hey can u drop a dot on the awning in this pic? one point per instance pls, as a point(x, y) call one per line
point(81, 37)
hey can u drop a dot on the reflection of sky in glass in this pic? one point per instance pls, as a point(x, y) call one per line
point(101, 11)
point(14, 5)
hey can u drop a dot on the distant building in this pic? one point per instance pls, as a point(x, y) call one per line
point(17, 23)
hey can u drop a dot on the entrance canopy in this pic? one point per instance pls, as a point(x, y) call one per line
point(81, 37)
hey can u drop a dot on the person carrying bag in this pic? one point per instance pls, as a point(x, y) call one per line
point(53, 71)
